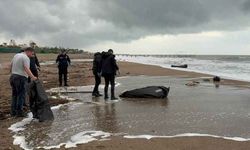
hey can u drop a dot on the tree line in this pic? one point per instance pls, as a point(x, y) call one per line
point(45, 50)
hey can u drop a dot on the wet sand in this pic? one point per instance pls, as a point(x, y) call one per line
point(78, 78)
point(204, 110)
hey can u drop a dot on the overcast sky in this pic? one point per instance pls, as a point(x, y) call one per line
point(130, 26)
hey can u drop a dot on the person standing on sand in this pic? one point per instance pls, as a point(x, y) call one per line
point(63, 62)
point(97, 66)
point(109, 68)
point(20, 70)
point(34, 66)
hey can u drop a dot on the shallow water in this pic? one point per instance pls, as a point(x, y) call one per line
point(203, 109)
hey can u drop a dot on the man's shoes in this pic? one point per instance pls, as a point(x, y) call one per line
point(95, 94)
point(66, 85)
point(106, 97)
point(98, 94)
point(114, 98)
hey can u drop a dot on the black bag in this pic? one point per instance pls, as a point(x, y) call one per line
point(39, 104)
point(147, 92)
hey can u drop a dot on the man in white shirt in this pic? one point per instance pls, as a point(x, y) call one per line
point(20, 71)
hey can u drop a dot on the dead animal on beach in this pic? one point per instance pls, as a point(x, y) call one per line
point(147, 92)
point(192, 83)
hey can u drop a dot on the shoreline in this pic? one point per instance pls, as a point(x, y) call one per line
point(235, 68)
point(82, 71)
point(154, 70)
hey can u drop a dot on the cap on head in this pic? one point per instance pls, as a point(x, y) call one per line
point(29, 49)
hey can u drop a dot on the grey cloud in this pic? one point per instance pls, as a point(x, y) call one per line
point(78, 23)
point(171, 16)
point(22, 18)
point(151, 14)
point(246, 5)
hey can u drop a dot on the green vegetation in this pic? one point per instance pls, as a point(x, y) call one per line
point(10, 49)
point(44, 50)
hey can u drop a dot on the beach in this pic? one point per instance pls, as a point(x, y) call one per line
point(81, 75)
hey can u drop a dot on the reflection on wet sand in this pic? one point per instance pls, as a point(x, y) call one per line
point(105, 117)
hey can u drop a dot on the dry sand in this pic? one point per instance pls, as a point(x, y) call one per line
point(80, 74)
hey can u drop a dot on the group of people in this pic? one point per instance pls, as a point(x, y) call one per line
point(104, 65)
point(25, 67)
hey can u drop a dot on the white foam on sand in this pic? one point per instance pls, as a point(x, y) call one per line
point(20, 126)
point(71, 89)
point(240, 139)
point(80, 138)
point(85, 137)
point(76, 88)
point(89, 136)
point(62, 97)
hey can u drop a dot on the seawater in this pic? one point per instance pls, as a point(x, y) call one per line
point(227, 66)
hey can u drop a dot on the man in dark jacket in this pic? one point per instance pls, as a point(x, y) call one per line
point(34, 65)
point(63, 62)
point(109, 68)
point(97, 66)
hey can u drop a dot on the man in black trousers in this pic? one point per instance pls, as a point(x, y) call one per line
point(97, 66)
point(109, 68)
point(63, 62)
point(20, 71)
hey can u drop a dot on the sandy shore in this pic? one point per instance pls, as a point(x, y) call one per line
point(80, 74)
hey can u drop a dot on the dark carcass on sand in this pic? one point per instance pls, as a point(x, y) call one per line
point(147, 92)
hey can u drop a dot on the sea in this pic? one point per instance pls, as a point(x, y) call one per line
point(226, 66)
